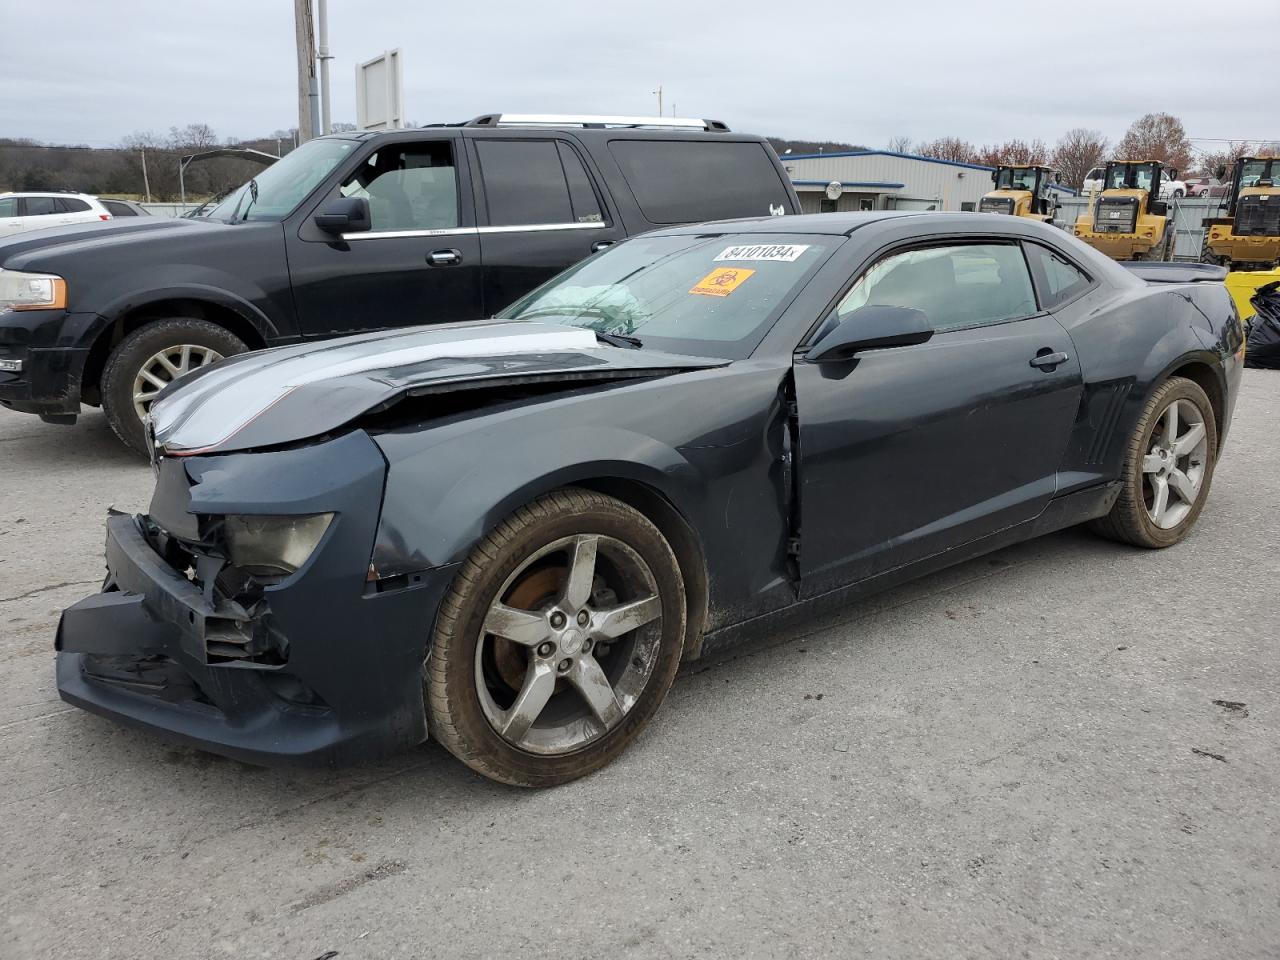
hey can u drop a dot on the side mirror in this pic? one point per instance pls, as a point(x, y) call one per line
point(995, 175)
point(872, 327)
point(1219, 172)
point(1173, 173)
point(344, 215)
point(1057, 178)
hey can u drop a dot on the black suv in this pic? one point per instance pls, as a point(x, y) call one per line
point(349, 233)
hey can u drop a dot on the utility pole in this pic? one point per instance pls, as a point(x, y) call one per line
point(305, 36)
point(322, 8)
point(146, 184)
point(659, 93)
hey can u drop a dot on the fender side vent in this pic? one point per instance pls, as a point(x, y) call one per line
point(1107, 411)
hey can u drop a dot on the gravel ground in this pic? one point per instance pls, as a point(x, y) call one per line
point(1064, 749)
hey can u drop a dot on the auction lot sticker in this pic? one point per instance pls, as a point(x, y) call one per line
point(781, 252)
point(721, 281)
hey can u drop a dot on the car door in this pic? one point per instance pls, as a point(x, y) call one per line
point(909, 451)
point(418, 263)
point(10, 216)
point(541, 210)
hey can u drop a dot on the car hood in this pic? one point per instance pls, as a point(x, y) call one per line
point(296, 392)
point(29, 250)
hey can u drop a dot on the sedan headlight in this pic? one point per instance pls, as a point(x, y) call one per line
point(31, 291)
point(273, 546)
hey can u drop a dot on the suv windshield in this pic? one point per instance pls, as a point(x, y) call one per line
point(707, 296)
point(284, 184)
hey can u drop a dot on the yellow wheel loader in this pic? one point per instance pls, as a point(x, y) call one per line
point(1128, 220)
point(1022, 192)
point(1248, 237)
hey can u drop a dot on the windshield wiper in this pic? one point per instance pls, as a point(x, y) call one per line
point(619, 340)
point(253, 198)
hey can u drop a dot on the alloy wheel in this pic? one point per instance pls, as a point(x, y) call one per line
point(162, 368)
point(568, 644)
point(1173, 471)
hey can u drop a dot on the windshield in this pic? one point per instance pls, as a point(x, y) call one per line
point(1132, 176)
point(705, 296)
point(1016, 178)
point(284, 184)
point(1253, 171)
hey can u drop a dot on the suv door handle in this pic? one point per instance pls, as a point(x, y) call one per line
point(444, 258)
point(1047, 360)
point(600, 245)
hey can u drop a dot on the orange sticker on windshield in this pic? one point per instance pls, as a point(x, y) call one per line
point(721, 282)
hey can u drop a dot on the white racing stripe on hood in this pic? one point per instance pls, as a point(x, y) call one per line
point(221, 403)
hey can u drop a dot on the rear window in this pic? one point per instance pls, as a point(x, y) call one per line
point(118, 209)
point(685, 181)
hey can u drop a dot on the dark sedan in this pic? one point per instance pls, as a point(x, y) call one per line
point(509, 533)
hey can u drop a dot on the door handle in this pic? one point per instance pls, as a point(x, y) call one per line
point(444, 258)
point(1047, 360)
point(600, 245)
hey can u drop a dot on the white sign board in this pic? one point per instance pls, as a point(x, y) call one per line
point(380, 93)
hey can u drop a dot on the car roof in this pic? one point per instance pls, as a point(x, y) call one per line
point(48, 193)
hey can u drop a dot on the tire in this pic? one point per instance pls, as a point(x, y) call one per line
point(1166, 249)
point(476, 681)
point(1132, 518)
point(207, 341)
point(1178, 194)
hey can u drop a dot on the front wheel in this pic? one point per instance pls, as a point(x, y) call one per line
point(1167, 470)
point(148, 360)
point(557, 641)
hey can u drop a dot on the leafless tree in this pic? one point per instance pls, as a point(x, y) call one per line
point(949, 148)
point(899, 144)
point(1076, 153)
point(1014, 152)
point(1156, 136)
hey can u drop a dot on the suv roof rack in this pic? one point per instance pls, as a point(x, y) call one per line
point(594, 122)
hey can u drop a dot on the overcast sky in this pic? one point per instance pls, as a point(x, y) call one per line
point(93, 71)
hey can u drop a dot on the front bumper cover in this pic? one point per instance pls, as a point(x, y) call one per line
point(350, 688)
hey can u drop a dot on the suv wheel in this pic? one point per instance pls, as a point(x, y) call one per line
point(557, 642)
point(148, 360)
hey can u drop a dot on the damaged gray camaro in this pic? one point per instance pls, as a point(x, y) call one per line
point(507, 534)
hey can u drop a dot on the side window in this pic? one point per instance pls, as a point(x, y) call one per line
point(1059, 279)
point(41, 206)
point(586, 205)
point(8, 206)
point(409, 186)
point(954, 286)
point(526, 183)
point(71, 205)
point(687, 181)
point(118, 209)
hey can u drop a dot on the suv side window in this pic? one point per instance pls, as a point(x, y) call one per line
point(71, 205)
point(118, 209)
point(8, 206)
point(686, 181)
point(961, 285)
point(41, 206)
point(1059, 279)
point(409, 186)
point(530, 182)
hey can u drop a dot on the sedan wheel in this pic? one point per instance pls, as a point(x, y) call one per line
point(558, 640)
point(1167, 470)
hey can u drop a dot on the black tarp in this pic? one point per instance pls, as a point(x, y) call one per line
point(1263, 347)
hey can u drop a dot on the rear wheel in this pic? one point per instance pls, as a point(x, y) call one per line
point(1168, 467)
point(557, 642)
point(148, 360)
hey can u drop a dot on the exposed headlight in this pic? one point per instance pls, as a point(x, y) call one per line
point(31, 291)
point(273, 546)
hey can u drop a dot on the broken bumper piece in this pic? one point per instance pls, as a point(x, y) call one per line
point(145, 652)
